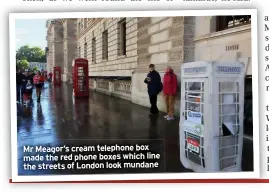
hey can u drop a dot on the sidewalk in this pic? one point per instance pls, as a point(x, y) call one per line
point(60, 118)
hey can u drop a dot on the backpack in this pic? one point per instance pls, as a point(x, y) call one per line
point(29, 85)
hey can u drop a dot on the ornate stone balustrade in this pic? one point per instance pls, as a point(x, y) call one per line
point(117, 88)
point(102, 84)
point(91, 83)
point(122, 88)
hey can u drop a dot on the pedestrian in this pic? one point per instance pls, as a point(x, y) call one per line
point(38, 81)
point(170, 92)
point(153, 80)
point(45, 78)
point(19, 76)
point(32, 74)
point(26, 80)
point(50, 77)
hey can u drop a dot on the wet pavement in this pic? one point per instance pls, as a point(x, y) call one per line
point(100, 119)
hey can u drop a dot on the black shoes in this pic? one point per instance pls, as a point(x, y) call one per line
point(154, 113)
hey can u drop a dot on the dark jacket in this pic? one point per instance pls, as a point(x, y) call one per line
point(19, 78)
point(154, 85)
point(25, 80)
point(32, 77)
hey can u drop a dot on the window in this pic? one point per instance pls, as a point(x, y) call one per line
point(226, 22)
point(93, 50)
point(85, 50)
point(105, 45)
point(122, 37)
point(79, 51)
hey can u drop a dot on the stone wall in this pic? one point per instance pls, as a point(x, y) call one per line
point(162, 41)
point(55, 45)
point(70, 46)
point(230, 44)
point(50, 49)
point(58, 45)
point(115, 65)
point(65, 48)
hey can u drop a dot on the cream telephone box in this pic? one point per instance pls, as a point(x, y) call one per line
point(212, 113)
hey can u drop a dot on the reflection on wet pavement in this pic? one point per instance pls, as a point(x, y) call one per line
point(61, 119)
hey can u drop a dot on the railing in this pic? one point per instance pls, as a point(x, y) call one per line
point(102, 84)
point(91, 83)
point(69, 78)
point(122, 87)
point(117, 88)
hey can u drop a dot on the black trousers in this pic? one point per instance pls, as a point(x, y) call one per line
point(153, 102)
point(38, 88)
point(19, 92)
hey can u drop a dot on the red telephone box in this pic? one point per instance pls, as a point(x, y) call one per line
point(57, 75)
point(80, 78)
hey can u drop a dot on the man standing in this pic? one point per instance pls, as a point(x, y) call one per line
point(26, 78)
point(18, 84)
point(32, 74)
point(154, 83)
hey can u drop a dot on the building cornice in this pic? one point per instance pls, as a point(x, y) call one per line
point(53, 22)
point(231, 31)
point(65, 19)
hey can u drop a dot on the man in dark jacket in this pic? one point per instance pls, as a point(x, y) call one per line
point(25, 78)
point(18, 84)
point(153, 81)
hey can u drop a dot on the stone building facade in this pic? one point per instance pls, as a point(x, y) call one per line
point(224, 38)
point(163, 41)
point(110, 45)
point(69, 47)
point(227, 38)
point(49, 52)
point(119, 50)
point(55, 56)
point(39, 65)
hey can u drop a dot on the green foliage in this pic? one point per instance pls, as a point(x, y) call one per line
point(35, 68)
point(22, 64)
point(31, 54)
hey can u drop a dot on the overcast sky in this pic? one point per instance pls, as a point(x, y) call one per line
point(31, 32)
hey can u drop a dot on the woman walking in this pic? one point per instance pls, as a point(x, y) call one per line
point(38, 82)
point(170, 92)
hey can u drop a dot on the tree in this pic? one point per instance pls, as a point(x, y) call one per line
point(22, 64)
point(35, 68)
point(31, 54)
